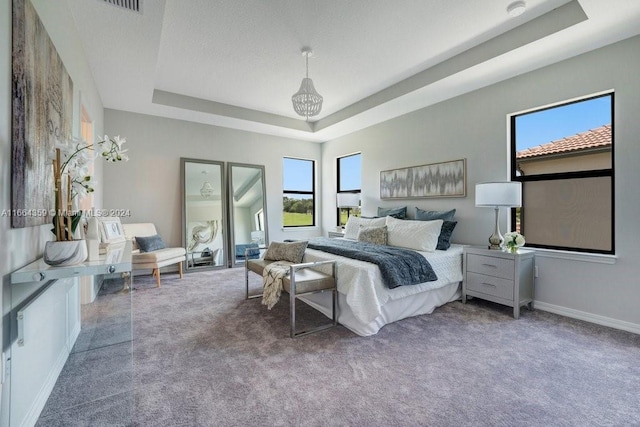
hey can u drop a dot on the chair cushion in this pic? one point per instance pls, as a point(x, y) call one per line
point(308, 280)
point(257, 265)
point(158, 256)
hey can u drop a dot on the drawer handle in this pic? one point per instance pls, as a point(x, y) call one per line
point(490, 265)
point(488, 284)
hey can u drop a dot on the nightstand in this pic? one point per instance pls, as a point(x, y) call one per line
point(499, 277)
point(334, 234)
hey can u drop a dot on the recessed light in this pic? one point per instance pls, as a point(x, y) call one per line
point(516, 8)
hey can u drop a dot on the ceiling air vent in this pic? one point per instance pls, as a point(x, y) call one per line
point(132, 5)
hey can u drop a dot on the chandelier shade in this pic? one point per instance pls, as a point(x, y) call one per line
point(207, 189)
point(307, 102)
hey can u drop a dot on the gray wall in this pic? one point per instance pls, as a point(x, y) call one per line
point(149, 184)
point(474, 126)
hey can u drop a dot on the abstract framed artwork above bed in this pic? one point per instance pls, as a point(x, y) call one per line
point(445, 179)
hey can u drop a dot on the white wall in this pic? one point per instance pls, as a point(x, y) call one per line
point(149, 184)
point(474, 126)
point(21, 246)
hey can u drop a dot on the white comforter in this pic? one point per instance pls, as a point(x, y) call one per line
point(361, 282)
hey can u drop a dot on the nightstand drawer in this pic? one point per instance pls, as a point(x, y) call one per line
point(490, 285)
point(497, 267)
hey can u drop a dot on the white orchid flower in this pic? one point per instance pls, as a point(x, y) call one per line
point(76, 156)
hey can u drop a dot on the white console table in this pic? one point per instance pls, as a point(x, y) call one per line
point(48, 324)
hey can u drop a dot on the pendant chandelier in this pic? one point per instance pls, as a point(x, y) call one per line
point(306, 101)
point(207, 189)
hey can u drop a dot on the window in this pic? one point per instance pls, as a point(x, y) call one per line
point(298, 201)
point(349, 181)
point(258, 219)
point(563, 155)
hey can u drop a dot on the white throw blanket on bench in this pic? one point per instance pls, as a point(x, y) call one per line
point(272, 277)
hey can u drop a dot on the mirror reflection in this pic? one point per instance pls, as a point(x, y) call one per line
point(203, 213)
point(248, 213)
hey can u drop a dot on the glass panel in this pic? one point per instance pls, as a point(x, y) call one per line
point(349, 171)
point(204, 213)
point(568, 213)
point(297, 175)
point(345, 213)
point(567, 138)
point(72, 311)
point(248, 216)
point(297, 210)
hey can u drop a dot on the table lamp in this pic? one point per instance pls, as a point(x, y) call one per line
point(496, 195)
point(348, 201)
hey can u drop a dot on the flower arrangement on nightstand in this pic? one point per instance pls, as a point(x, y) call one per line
point(512, 242)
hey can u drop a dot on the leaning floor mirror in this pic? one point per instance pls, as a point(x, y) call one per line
point(203, 213)
point(248, 216)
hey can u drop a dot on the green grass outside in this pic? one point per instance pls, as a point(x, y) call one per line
point(293, 219)
point(343, 217)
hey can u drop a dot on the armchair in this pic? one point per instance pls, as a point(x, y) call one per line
point(156, 259)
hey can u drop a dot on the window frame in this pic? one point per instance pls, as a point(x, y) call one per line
point(556, 176)
point(300, 192)
point(350, 190)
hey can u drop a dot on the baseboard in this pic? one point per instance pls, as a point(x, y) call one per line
point(588, 317)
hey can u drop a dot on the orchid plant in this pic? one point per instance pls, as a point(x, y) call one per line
point(512, 241)
point(71, 160)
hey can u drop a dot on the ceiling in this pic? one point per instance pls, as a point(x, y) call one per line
point(236, 63)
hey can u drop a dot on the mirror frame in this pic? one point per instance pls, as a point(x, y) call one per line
point(223, 220)
point(232, 235)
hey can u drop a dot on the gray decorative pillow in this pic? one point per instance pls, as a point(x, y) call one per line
point(399, 213)
point(375, 235)
point(286, 251)
point(354, 223)
point(444, 238)
point(422, 215)
point(150, 243)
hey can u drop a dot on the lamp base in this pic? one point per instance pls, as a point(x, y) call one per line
point(495, 240)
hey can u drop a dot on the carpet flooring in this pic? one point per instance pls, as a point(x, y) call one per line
point(202, 355)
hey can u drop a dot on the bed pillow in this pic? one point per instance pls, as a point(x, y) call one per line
point(353, 225)
point(150, 243)
point(375, 235)
point(286, 251)
point(400, 213)
point(422, 215)
point(445, 235)
point(416, 235)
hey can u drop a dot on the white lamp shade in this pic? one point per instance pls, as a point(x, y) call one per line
point(499, 194)
point(348, 200)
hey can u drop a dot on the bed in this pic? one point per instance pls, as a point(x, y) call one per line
point(366, 304)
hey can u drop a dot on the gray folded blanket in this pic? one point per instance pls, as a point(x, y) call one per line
point(398, 266)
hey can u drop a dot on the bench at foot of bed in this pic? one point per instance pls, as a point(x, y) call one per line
point(302, 280)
